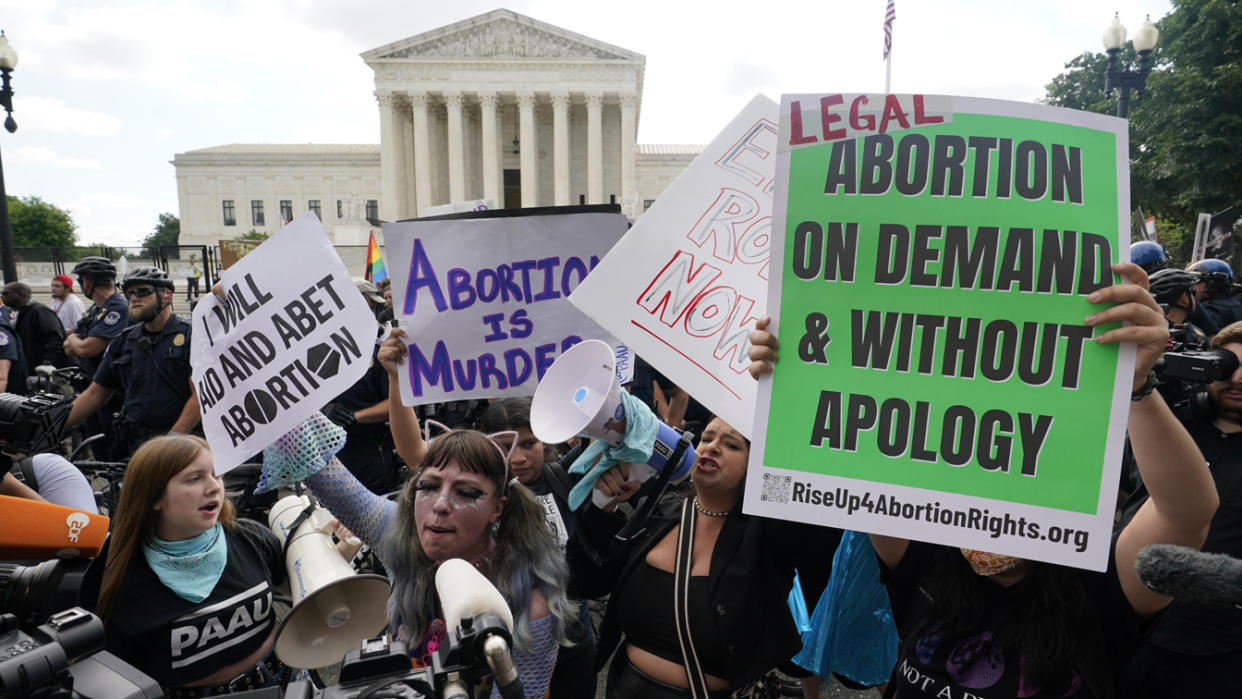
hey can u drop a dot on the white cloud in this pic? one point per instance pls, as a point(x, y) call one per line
point(42, 155)
point(87, 204)
point(51, 115)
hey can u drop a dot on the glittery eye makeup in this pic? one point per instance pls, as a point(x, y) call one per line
point(457, 498)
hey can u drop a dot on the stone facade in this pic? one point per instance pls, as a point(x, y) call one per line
point(499, 106)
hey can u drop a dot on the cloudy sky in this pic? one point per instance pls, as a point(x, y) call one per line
point(108, 92)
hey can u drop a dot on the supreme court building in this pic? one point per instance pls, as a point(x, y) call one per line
point(499, 106)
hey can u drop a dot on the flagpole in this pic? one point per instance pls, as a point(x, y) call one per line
point(888, 72)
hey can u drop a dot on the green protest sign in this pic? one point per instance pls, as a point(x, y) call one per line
point(935, 255)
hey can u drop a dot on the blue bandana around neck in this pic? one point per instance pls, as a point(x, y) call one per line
point(189, 568)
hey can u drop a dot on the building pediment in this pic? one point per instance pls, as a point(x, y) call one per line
point(501, 34)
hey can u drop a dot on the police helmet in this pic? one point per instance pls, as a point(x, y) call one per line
point(147, 275)
point(95, 268)
point(1217, 273)
point(1168, 285)
point(1150, 256)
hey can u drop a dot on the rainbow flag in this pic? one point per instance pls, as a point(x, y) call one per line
point(375, 272)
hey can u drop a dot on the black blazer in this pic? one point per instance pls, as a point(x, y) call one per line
point(751, 573)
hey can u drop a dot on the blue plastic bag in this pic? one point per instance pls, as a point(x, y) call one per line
point(852, 630)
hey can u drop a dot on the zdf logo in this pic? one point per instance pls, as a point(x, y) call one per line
point(76, 522)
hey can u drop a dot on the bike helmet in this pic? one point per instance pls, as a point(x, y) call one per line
point(1217, 273)
point(147, 275)
point(1168, 285)
point(95, 267)
point(1152, 257)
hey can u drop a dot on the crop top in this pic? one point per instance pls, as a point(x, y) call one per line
point(645, 613)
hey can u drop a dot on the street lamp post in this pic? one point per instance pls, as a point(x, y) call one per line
point(8, 61)
point(1124, 78)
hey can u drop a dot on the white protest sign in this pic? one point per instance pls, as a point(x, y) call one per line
point(683, 288)
point(293, 334)
point(483, 300)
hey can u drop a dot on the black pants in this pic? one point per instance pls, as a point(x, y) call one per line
point(191, 288)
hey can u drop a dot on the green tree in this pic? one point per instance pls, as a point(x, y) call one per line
point(36, 223)
point(253, 234)
point(1186, 131)
point(167, 232)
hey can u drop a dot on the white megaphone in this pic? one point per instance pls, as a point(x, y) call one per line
point(580, 397)
point(334, 607)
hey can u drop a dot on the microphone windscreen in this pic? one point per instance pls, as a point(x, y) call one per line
point(465, 592)
point(1190, 575)
point(38, 530)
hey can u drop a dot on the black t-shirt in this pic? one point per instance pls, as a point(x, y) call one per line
point(974, 665)
point(1188, 627)
point(176, 641)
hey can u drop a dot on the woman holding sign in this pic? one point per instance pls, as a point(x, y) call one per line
point(978, 623)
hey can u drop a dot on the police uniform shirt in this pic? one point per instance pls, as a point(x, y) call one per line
point(130, 366)
point(11, 349)
point(368, 390)
point(106, 321)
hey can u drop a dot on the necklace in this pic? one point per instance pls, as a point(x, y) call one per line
point(706, 511)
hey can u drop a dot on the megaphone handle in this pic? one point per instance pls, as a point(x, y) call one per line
point(639, 473)
point(637, 523)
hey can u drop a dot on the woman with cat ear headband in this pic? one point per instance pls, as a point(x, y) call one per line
point(460, 502)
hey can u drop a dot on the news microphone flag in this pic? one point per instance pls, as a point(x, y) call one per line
point(889, 15)
point(375, 272)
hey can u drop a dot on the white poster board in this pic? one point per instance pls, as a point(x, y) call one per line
point(683, 288)
point(484, 300)
point(292, 334)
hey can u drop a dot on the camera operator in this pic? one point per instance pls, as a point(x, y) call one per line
point(1193, 650)
point(1215, 292)
point(48, 478)
point(149, 363)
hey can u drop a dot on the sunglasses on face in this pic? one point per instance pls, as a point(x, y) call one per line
point(140, 292)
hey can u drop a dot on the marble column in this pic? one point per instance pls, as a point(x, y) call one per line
point(422, 151)
point(491, 153)
point(629, 135)
point(409, 202)
point(456, 152)
point(560, 142)
point(392, 165)
point(595, 148)
point(530, 149)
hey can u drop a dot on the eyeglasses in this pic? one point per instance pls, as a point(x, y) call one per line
point(141, 292)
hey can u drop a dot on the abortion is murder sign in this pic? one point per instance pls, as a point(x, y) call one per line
point(931, 262)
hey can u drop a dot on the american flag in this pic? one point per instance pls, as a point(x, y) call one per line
point(889, 15)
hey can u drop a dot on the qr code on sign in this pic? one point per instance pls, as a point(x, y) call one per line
point(775, 488)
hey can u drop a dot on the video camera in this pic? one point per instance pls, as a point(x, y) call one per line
point(1184, 377)
point(65, 658)
point(456, 667)
point(32, 424)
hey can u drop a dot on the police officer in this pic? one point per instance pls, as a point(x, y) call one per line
point(12, 359)
point(102, 323)
point(363, 411)
point(149, 363)
point(1215, 292)
point(104, 320)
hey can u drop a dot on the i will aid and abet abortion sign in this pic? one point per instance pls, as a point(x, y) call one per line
point(483, 298)
point(931, 261)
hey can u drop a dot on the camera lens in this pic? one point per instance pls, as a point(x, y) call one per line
point(33, 593)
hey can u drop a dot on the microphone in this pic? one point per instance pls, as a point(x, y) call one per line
point(466, 596)
point(1213, 579)
point(30, 529)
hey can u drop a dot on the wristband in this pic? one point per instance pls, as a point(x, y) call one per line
point(1148, 386)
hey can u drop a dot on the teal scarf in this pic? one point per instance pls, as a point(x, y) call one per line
point(189, 568)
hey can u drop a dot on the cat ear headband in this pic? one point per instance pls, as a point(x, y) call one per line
point(505, 454)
